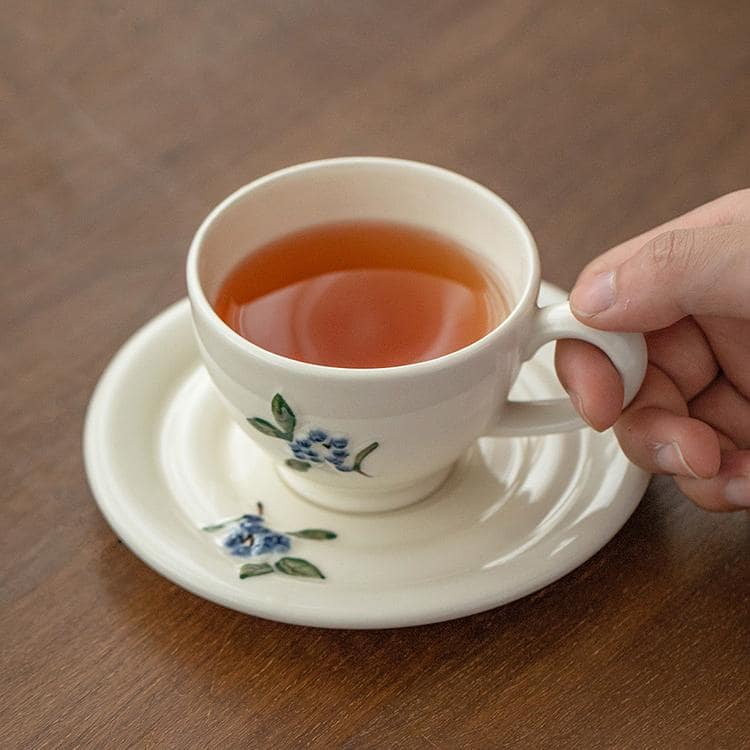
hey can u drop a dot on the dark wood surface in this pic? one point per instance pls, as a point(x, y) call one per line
point(122, 125)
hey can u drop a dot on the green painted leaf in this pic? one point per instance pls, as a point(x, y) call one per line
point(297, 465)
point(219, 526)
point(296, 566)
point(215, 527)
point(249, 570)
point(265, 427)
point(313, 534)
point(362, 455)
point(283, 415)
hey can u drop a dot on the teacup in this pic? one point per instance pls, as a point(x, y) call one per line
point(365, 440)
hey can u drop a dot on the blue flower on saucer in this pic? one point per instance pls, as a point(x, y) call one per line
point(248, 536)
point(256, 544)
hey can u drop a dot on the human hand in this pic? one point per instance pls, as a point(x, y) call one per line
point(686, 285)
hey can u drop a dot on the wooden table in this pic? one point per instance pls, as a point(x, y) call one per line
point(122, 125)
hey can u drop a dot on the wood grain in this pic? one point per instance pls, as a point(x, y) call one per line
point(122, 125)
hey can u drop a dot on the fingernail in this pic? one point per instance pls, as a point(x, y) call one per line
point(737, 491)
point(578, 403)
point(670, 460)
point(594, 295)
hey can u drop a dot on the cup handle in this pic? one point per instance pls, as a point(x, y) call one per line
point(627, 351)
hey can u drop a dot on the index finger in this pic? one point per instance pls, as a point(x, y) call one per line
point(728, 209)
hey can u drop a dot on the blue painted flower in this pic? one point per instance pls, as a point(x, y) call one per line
point(250, 527)
point(250, 537)
point(246, 527)
point(239, 536)
point(260, 541)
point(273, 542)
point(318, 446)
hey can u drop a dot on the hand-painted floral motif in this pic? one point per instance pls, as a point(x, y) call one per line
point(248, 536)
point(316, 447)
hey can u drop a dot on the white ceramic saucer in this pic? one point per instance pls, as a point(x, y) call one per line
point(164, 461)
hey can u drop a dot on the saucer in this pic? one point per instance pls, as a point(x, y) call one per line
point(192, 496)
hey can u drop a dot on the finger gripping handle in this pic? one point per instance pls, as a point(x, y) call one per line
point(626, 351)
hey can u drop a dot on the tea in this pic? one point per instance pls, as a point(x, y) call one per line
point(361, 294)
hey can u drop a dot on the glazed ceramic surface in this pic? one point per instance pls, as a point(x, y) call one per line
point(186, 489)
point(376, 439)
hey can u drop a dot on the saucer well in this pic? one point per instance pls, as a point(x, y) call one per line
point(192, 496)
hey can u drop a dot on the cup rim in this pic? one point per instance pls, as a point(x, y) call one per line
point(200, 301)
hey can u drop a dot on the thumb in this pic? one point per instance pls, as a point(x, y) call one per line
point(682, 272)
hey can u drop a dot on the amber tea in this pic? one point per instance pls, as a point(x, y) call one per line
point(361, 294)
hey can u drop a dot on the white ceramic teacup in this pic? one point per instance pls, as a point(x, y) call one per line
point(362, 440)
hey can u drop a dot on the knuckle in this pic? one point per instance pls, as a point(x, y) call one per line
point(673, 252)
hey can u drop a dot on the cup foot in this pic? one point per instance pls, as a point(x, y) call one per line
point(355, 500)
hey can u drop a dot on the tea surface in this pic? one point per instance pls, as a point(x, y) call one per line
point(361, 294)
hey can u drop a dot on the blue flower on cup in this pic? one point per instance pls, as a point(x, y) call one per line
point(317, 447)
point(248, 536)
